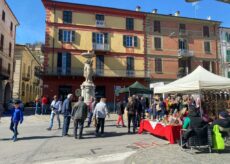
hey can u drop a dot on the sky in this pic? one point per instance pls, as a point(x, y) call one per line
point(31, 13)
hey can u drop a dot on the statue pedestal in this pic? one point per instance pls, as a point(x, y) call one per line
point(87, 91)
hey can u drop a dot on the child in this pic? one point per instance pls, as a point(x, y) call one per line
point(17, 116)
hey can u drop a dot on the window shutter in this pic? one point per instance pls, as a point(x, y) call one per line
point(106, 38)
point(68, 62)
point(124, 40)
point(94, 37)
point(73, 36)
point(59, 60)
point(60, 35)
point(135, 41)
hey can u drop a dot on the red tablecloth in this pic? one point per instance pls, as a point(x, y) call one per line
point(171, 133)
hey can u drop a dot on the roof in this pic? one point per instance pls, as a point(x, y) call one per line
point(11, 12)
point(126, 10)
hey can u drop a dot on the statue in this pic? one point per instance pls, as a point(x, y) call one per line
point(88, 70)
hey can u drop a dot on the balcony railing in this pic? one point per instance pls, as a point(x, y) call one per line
point(185, 53)
point(101, 47)
point(99, 72)
point(4, 73)
point(183, 33)
point(25, 77)
point(100, 23)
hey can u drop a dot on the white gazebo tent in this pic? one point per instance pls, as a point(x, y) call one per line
point(199, 79)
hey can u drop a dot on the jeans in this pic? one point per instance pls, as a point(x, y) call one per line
point(131, 117)
point(120, 119)
point(44, 108)
point(36, 108)
point(100, 124)
point(90, 115)
point(66, 123)
point(78, 123)
point(52, 115)
point(14, 129)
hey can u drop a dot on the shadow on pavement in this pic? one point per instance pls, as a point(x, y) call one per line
point(91, 134)
point(31, 138)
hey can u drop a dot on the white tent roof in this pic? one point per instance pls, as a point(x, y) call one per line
point(199, 79)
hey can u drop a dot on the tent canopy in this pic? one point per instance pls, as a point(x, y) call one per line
point(199, 79)
point(136, 88)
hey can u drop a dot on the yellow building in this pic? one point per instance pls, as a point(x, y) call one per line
point(116, 36)
point(8, 24)
point(26, 85)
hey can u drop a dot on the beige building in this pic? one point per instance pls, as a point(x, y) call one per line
point(26, 84)
point(8, 24)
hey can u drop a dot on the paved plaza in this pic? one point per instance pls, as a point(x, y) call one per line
point(39, 146)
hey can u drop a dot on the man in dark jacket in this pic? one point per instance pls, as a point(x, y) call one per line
point(120, 111)
point(66, 110)
point(79, 114)
point(131, 109)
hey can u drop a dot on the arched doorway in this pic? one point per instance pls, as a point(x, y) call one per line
point(7, 93)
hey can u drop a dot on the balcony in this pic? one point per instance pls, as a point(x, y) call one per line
point(25, 77)
point(101, 47)
point(4, 74)
point(64, 72)
point(183, 33)
point(183, 53)
point(100, 23)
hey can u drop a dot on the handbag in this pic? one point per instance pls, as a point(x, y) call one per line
point(218, 141)
point(94, 121)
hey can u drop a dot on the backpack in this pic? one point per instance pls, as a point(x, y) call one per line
point(218, 141)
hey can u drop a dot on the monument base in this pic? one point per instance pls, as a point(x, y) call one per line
point(87, 91)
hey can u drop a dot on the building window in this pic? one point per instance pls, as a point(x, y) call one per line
point(100, 38)
point(100, 65)
point(3, 15)
point(8, 70)
point(157, 43)
point(10, 49)
point(130, 41)
point(66, 36)
point(100, 20)
point(228, 56)
point(130, 66)
point(206, 65)
point(206, 31)
point(129, 24)
point(207, 48)
point(228, 74)
point(182, 44)
point(158, 65)
point(157, 26)
point(64, 63)
point(2, 42)
point(182, 28)
point(227, 37)
point(67, 16)
point(11, 26)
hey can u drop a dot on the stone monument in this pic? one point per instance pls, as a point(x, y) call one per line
point(88, 87)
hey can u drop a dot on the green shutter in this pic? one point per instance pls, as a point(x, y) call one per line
point(228, 74)
point(60, 33)
point(73, 36)
point(106, 38)
point(124, 40)
point(135, 41)
point(94, 37)
point(228, 55)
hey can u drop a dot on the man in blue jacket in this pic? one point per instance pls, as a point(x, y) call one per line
point(16, 117)
point(66, 110)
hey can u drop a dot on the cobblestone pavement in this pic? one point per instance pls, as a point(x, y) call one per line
point(37, 145)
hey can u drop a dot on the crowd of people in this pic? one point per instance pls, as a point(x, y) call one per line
point(173, 110)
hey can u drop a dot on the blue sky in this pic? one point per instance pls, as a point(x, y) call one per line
point(31, 13)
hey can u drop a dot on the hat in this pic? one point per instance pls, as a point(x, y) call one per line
point(224, 114)
point(17, 101)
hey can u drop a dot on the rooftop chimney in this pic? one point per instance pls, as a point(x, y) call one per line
point(154, 11)
point(177, 13)
point(138, 8)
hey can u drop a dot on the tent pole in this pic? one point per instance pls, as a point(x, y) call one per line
point(201, 111)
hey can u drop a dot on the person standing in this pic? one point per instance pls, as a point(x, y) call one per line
point(36, 104)
point(120, 111)
point(66, 110)
point(44, 104)
point(55, 110)
point(131, 113)
point(16, 117)
point(92, 105)
point(79, 114)
point(100, 113)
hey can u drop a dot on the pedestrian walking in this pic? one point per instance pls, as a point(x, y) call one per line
point(44, 105)
point(67, 110)
point(16, 117)
point(79, 114)
point(100, 112)
point(36, 104)
point(120, 111)
point(56, 107)
point(91, 108)
point(131, 109)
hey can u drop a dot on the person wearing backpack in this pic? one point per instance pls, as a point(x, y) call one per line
point(79, 114)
